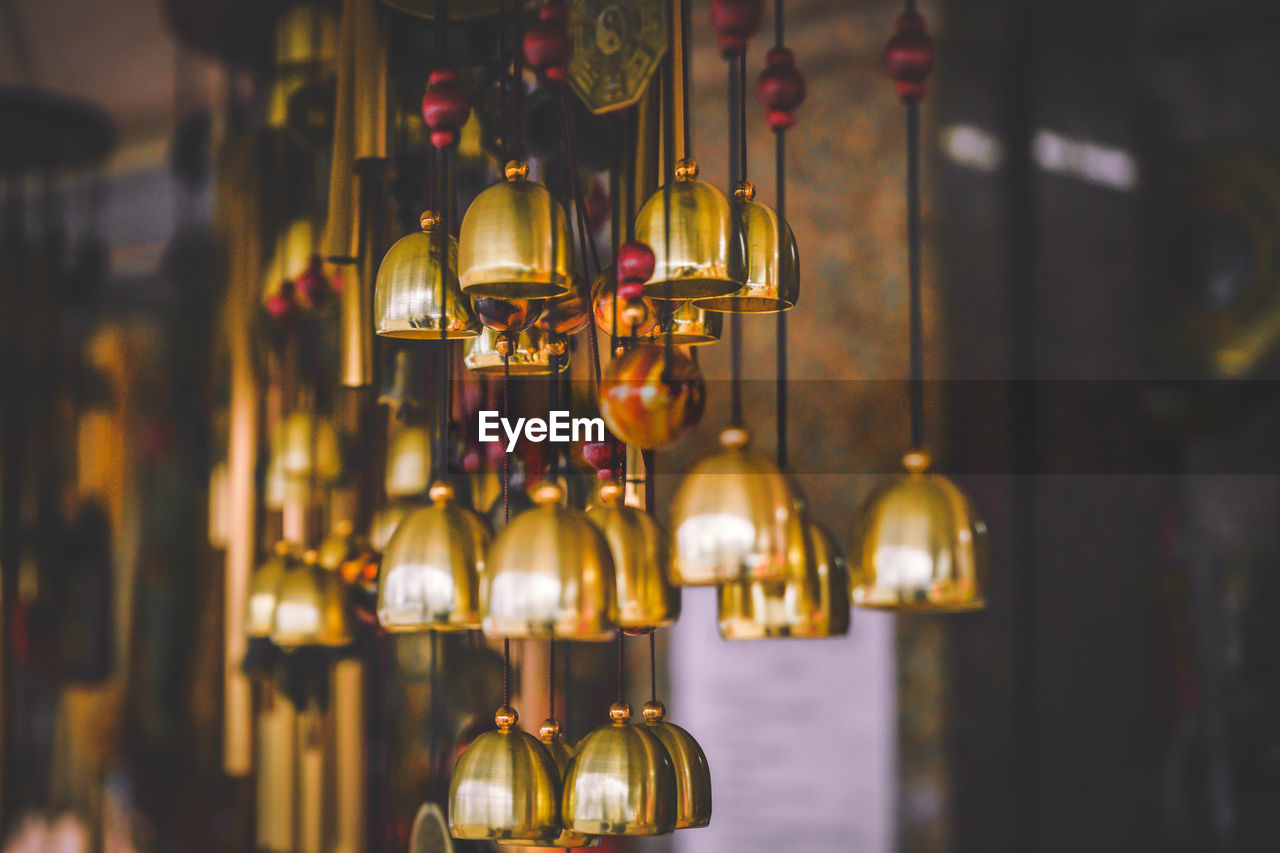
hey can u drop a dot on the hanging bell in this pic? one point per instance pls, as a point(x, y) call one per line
point(693, 775)
point(646, 598)
point(306, 446)
point(384, 523)
point(311, 608)
point(620, 781)
point(515, 241)
point(505, 786)
point(408, 461)
point(704, 255)
point(810, 603)
point(432, 569)
point(633, 321)
point(920, 546)
point(567, 314)
point(773, 261)
point(407, 294)
point(550, 575)
point(530, 353)
point(264, 587)
point(730, 517)
point(560, 752)
point(688, 325)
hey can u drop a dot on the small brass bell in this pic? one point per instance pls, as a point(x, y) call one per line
point(620, 781)
point(646, 598)
point(264, 586)
point(311, 608)
point(704, 255)
point(693, 774)
point(920, 546)
point(731, 517)
point(408, 461)
point(431, 570)
point(515, 241)
point(550, 575)
point(689, 325)
point(408, 289)
point(505, 786)
point(530, 353)
point(560, 752)
point(773, 267)
point(307, 446)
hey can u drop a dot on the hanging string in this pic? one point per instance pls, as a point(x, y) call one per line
point(517, 84)
point(653, 666)
point(551, 679)
point(913, 272)
point(780, 193)
point(620, 670)
point(668, 143)
point(506, 515)
point(650, 502)
point(440, 189)
point(587, 239)
point(737, 172)
point(504, 59)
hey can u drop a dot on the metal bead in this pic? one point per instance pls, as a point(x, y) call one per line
point(744, 191)
point(516, 170)
point(620, 713)
point(549, 730)
point(686, 169)
point(505, 718)
point(653, 711)
point(916, 461)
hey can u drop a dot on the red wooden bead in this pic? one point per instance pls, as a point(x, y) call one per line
point(909, 56)
point(635, 263)
point(602, 455)
point(631, 290)
point(281, 305)
point(781, 88)
point(546, 44)
point(312, 286)
point(445, 107)
point(735, 21)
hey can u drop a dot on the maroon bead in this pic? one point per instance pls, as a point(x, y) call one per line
point(601, 455)
point(735, 21)
point(546, 44)
point(910, 57)
point(635, 263)
point(630, 291)
point(445, 107)
point(281, 304)
point(312, 286)
point(781, 88)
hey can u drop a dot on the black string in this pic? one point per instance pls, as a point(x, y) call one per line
point(442, 238)
point(653, 666)
point(506, 515)
point(737, 171)
point(551, 679)
point(517, 83)
point(780, 193)
point(620, 672)
point(686, 121)
point(506, 672)
point(504, 59)
point(913, 274)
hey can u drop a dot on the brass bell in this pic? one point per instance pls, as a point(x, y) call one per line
point(505, 786)
point(431, 570)
point(307, 446)
point(567, 314)
point(640, 324)
point(731, 517)
point(646, 598)
point(810, 603)
point(773, 261)
point(515, 241)
point(705, 254)
point(560, 752)
point(311, 608)
point(408, 289)
point(620, 781)
point(693, 774)
point(550, 575)
point(920, 546)
point(384, 523)
point(408, 461)
point(689, 325)
point(263, 589)
point(530, 353)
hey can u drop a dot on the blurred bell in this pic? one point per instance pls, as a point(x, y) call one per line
point(567, 314)
point(920, 546)
point(530, 353)
point(306, 446)
point(311, 608)
point(689, 325)
point(384, 523)
point(639, 324)
point(505, 786)
point(264, 586)
point(773, 267)
point(550, 575)
point(560, 752)
point(693, 775)
point(620, 781)
point(515, 241)
point(431, 570)
point(646, 598)
point(705, 254)
point(731, 517)
point(408, 289)
point(408, 461)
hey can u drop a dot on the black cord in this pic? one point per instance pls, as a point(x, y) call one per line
point(916, 311)
point(504, 59)
point(736, 173)
point(620, 670)
point(551, 679)
point(780, 343)
point(442, 238)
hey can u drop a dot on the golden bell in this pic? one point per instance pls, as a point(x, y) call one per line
point(505, 786)
point(384, 523)
point(920, 546)
point(263, 589)
point(705, 254)
point(731, 517)
point(515, 241)
point(550, 575)
point(773, 267)
point(646, 598)
point(306, 446)
point(530, 355)
point(602, 299)
point(408, 290)
point(810, 603)
point(408, 461)
point(549, 735)
point(431, 570)
point(311, 608)
point(693, 774)
point(689, 325)
point(620, 781)
point(567, 314)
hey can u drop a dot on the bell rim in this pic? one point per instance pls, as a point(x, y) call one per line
point(407, 330)
point(736, 303)
point(693, 288)
point(504, 284)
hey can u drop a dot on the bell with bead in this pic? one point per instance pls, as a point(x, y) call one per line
point(652, 395)
point(773, 261)
point(646, 598)
point(515, 241)
point(312, 608)
point(620, 781)
point(528, 353)
point(731, 517)
point(550, 575)
point(920, 546)
point(560, 752)
point(693, 774)
point(688, 325)
point(412, 287)
point(638, 319)
point(505, 786)
point(264, 587)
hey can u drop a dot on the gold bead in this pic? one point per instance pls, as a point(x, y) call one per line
point(549, 730)
point(345, 527)
point(653, 712)
point(745, 191)
point(517, 170)
point(686, 169)
point(610, 492)
point(547, 493)
point(619, 350)
point(916, 461)
point(620, 713)
point(441, 493)
point(734, 437)
point(429, 220)
point(311, 557)
point(503, 345)
point(506, 718)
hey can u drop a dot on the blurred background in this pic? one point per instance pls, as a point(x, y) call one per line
point(1102, 303)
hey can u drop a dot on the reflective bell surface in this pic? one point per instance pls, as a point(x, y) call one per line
point(570, 313)
point(431, 570)
point(311, 608)
point(693, 774)
point(620, 781)
point(920, 546)
point(384, 523)
point(515, 241)
point(705, 254)
point(602, 299)
point(810, 603)
point(773, 267)
point(530, 354)
point(408, 461)
point(646, 598)
point(652, 395)
point(505, 786)
point(263, 588)
point(731, 516)
point(305, 441)
point(508, 315)
point(560, 752)
point(550, 575)
point(689, 325)
point(408, 289)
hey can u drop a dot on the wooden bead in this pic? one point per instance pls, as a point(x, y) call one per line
point(445, 107)
point(909, 57)
point(635, 263)
point(781, 88)
point(735, 21)
point(547, 45)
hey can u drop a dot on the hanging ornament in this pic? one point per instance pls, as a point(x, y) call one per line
point(528, 354)
point(688, 325)
point(445, 107)
point(560, 752)
point(735, 22)
point(651, 396)
point(408, 461)
point(264, 589)
point(306, 448)
point(773, 262)
point(311, 608)
point(407, 295)
point(646, 598)
point(568, 314)
point(603, 456)
point(689, 762)
point(781, 89)
point(638, 320)
point(546, 43)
